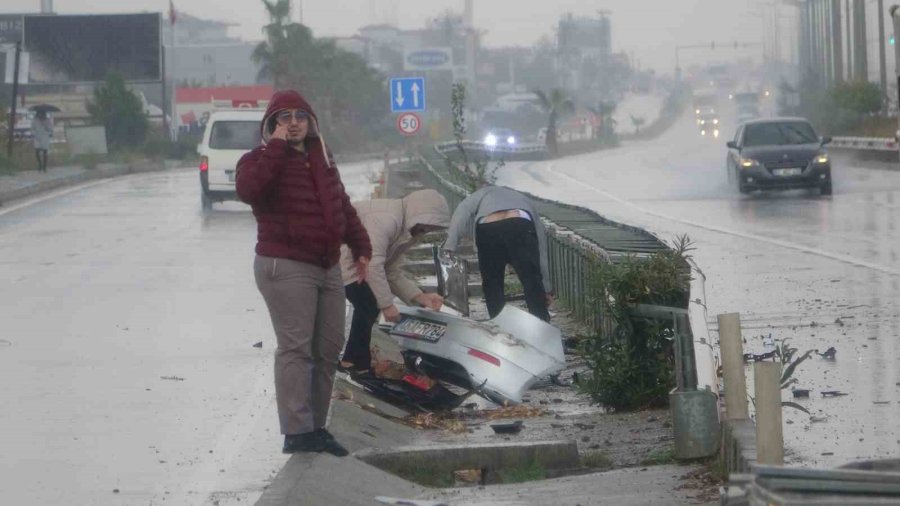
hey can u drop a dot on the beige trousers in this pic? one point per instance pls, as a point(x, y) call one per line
point(306, 304)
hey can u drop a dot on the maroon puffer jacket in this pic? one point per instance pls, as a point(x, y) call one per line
point(302, 210)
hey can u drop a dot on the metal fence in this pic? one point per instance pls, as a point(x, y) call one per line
point(571, 258)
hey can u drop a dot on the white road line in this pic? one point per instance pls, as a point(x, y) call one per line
point(52, 195)
point(711, 228)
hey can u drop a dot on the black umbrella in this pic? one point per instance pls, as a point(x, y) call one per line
point(44, 107)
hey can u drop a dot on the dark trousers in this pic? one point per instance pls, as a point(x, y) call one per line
point(512, 241)
point(365, 314)
point(41, 155)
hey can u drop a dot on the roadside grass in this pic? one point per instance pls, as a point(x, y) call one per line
point(423, 475)
point(659, 457)
point(531, 472)
point(596, 460)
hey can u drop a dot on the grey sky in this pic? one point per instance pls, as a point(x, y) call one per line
point(648, 28)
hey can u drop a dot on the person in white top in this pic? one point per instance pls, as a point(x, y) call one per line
point(42, 132)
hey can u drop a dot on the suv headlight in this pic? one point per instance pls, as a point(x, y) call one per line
point(822, 159)
point(490, 140)
point(748, 163)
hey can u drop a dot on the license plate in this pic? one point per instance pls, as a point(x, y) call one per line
point(418, 328)
point(230, 174)
point(788, 172)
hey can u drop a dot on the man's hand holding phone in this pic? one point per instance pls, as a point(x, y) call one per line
point(280, 132)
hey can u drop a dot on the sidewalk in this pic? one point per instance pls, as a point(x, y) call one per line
point(623, 444)
point(29, 182)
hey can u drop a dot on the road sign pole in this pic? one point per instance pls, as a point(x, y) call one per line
point(15, 97)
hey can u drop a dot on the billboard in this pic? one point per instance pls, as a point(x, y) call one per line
point(10, 29)
point(84, 48)
point(432, 58)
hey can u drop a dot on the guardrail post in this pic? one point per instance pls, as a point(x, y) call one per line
point(733, 366)
point(769, 435)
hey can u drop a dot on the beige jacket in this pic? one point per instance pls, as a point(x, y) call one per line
point(388, 222)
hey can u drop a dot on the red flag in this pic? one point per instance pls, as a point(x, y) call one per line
point(171, 12)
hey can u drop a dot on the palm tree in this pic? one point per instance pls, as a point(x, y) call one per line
point(557, 103)
point(285, 44)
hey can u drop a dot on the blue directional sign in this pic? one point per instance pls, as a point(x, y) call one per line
point(408, 94)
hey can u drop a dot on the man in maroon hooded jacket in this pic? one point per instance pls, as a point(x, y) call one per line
point(303, 216)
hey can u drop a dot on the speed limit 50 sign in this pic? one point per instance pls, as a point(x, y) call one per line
point(409, 123)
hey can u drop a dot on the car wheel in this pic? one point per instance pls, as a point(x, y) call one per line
point(825, 188)
point(205, 202)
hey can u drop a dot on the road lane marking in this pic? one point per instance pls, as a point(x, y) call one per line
point(54, 194)
point(743, 235)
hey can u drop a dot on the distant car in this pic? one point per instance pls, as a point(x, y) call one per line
point(709, 124)
point(778, 153)
point(228, 135)
point(500, 137)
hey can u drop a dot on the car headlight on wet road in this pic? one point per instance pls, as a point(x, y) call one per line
point(748, 163)
point(822, 159)
point(490, 140)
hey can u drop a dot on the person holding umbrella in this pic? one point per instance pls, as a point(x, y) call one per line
point(41, 132)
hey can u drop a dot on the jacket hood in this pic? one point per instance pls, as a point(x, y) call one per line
point(288, 99)
point(425, 207)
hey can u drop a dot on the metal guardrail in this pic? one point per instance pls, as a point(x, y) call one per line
point(446, 147)
point(570, 257)
point(865, 143)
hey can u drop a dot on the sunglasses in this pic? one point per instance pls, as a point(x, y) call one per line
point(284, 117)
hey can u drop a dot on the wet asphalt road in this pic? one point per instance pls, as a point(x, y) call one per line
point(126, 347)
point(817, 271)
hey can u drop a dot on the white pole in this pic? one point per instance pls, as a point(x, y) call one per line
point(733, 366)
point(769, 430)
point(174, 103)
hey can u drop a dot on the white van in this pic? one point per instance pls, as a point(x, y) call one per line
point(227, 137)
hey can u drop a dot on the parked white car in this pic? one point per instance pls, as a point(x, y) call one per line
point(228, 136)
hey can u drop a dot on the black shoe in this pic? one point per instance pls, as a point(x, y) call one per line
point(306, 442)
point(330, 444)
point(352, 370)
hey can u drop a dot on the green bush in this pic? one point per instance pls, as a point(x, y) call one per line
point(634, 368)
point(841, 110)
point(6, 164)
point(120, 110)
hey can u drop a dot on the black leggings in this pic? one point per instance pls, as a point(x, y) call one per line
point(365, 314)
point(512, 241)
point(41, 155)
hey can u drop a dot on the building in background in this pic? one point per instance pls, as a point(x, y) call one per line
point(201, 54)
point(585, 54)
point(194, 105)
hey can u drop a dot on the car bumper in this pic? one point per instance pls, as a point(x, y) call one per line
point(759, 178)
point(215, 194)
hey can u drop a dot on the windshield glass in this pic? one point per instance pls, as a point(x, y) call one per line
point(788, 132)
point(243, 135)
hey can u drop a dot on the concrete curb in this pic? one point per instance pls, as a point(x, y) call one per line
point(738, 445)
point(103, 171)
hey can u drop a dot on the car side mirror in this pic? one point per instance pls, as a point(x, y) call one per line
point(826, 140)
point(732, 145)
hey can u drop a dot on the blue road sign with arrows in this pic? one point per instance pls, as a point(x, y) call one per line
point(408, 94)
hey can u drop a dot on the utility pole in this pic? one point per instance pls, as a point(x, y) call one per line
point(15, 99)
point(837, 41)
point(470, 44)
point(851, 69)
point(859, 32)
point(882, 64)
point(46, 6)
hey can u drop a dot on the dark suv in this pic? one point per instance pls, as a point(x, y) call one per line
point(779, 153)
